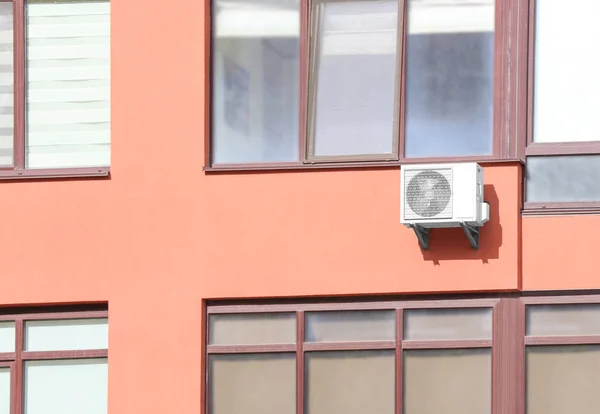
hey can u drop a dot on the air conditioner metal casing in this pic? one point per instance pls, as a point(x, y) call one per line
point(466, 205)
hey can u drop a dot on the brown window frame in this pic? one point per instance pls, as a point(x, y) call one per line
point(506, 343)
point(507, 128)
point(15, 360)
point(19, 169)
point(540, 149)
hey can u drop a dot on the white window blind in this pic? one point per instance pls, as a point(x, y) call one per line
point(68, 83)
point(6, 84)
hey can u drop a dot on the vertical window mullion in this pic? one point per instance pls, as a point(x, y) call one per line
point(300, 363)
point(399, 373)
point(305, 38)
point(19, 85)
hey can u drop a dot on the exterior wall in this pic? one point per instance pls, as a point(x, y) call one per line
point(160, 236)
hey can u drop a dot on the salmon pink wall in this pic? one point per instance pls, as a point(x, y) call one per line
point(561, 253)
point(160, 235)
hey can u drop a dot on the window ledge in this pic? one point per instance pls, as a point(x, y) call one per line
point(54, 173)
point(561, 209)
point(297, 166)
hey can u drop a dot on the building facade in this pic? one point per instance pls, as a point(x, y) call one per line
point(202, 207)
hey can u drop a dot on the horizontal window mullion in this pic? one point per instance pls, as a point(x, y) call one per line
point(250, 349)
point(563, 340)
point(447, 344)
point(562, 148)
point(6, 356)
point(348, 346)
point(84, 354)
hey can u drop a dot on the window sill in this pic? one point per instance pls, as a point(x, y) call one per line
point(54, 173)
point(298, 166)
point(560, 209)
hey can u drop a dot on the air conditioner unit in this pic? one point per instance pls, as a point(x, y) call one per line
point(441, 196)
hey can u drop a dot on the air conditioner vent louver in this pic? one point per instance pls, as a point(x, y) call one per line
point(428, 194)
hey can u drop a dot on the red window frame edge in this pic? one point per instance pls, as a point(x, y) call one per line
point(508, 99)
point(527, 54)
point(15, 360)
point(18, 170)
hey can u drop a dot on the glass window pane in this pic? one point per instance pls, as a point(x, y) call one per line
point(355, 77)
point(66, 386)
point(252, 329)
point(563, 178)
point(255, 97)
point(563, 379)
point(545, 320)
point(4, 390)
point(66, 334)
point(350, 326)
point(449, 78)
point(425, 324)
point(449, 381)
point(6, 84)
point(68, 83)
point(350, 382)
point(566, 110)
point(252, 384)
point(7, 336)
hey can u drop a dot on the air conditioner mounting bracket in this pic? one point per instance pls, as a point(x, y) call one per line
point(472, 234)
point(422, 235)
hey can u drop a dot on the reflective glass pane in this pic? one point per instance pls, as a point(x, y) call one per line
point(66, 334)
point(252, 329)
point(546, 320)
point(350, 326)
point(7, 337)
point(255, 81)
point(425, 324)
point(563, 379)
point(449, 77)
point(252, 384)
point(6, 84)
point(563, 178)
point(449, 381)
point(566, 111)
point(350, 382)
point(355, 77)
point(4, 390)
point(73, 386)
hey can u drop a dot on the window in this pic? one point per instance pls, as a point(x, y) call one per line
point(564, 136)
point(335, 81)
point(54, 362)
point(517, 355)
point(54, 87)
point(411, 357)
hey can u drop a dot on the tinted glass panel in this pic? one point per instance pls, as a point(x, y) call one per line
point(350, 326)
point(424, 324)
point(448, 381)
point(563, 178)
point(449, 78)
point(66, 334)
point(353, 382)
point(563, 379)
point(566, 110)
point(255, 81)
point(7, 336)
point(66, 386)
point(252, 329)
point(252, 384)
point(355, 63)
point(545, 320)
